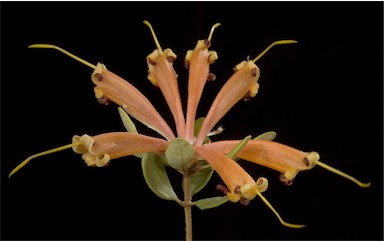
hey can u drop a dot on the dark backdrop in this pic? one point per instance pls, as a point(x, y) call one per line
point(323, 94)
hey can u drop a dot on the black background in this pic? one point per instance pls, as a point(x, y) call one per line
point(323, 94)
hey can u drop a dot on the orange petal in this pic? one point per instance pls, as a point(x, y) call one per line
point(131, 100)
point(231, 172)
point(235, 89)
point(162, 72)
point(198, 61)
point(270, 154)
point(119, 144)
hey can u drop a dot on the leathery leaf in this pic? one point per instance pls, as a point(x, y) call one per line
point(129, 125)
point(238, 148)
point(269, 136)
point(127, 122)
point(155, 174)
point(197, 126)
point(211, 202)
point(199, 180)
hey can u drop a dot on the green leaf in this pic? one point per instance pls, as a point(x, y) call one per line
point(238, 148)
point(129, 125)
point(198, 125)
point(199, 180)
point(179, 153)
point(127, 122)
point(211, 202)
point(269, 136)
point(155, 174)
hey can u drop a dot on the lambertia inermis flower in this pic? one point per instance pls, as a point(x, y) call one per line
point(188, 148)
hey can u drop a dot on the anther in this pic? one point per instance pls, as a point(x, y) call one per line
point(239, 66)
point(171, 59)
point(237, 189)
point(99, 76)
point(104, 100)
point(222, 189)
point(150, 61)
point(284, 180)
point(254, 72)
point(247, 96)
point(170, 56)
point(207, 43)
point(187, 64)
point(306, 161)
point(211, 77)
point(187, 59)
point(244, 201)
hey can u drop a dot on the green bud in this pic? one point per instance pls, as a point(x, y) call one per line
point(179, 154)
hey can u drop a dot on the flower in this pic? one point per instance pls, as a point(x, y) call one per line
point(185, 150)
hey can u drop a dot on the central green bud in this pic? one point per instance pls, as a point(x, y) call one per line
point(179, 153)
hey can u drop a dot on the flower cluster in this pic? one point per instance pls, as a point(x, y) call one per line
point(188, 149)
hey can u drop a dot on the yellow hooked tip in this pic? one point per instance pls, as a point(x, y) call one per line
point(212, 30)
point(272, 45)
point(154, 36)
point(50, 46)
point(42, 154)
point(340, 173)
point(290, 225)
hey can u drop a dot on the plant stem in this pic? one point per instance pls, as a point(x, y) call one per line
point(187, 206)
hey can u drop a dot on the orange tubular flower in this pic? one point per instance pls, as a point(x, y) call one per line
point(98, 150)
point(279, 157)
point(188, 151)
point(112, 87)
point(234, 176)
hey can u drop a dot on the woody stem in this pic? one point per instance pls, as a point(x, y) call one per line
point(187, 206)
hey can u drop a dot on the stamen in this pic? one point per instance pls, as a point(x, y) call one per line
point(211, 77)
point(237, 189)
point(154, 36)
point(187, 59)
point(218, 131)
point(338, 172)
point(101, 98)
point(170, 56)
point(212, 30)
point(50, 46)
point(273, 44)
point(222, 189)
point(277, 214)
point(244, 201)
point(43, 154)
point(284, 180)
